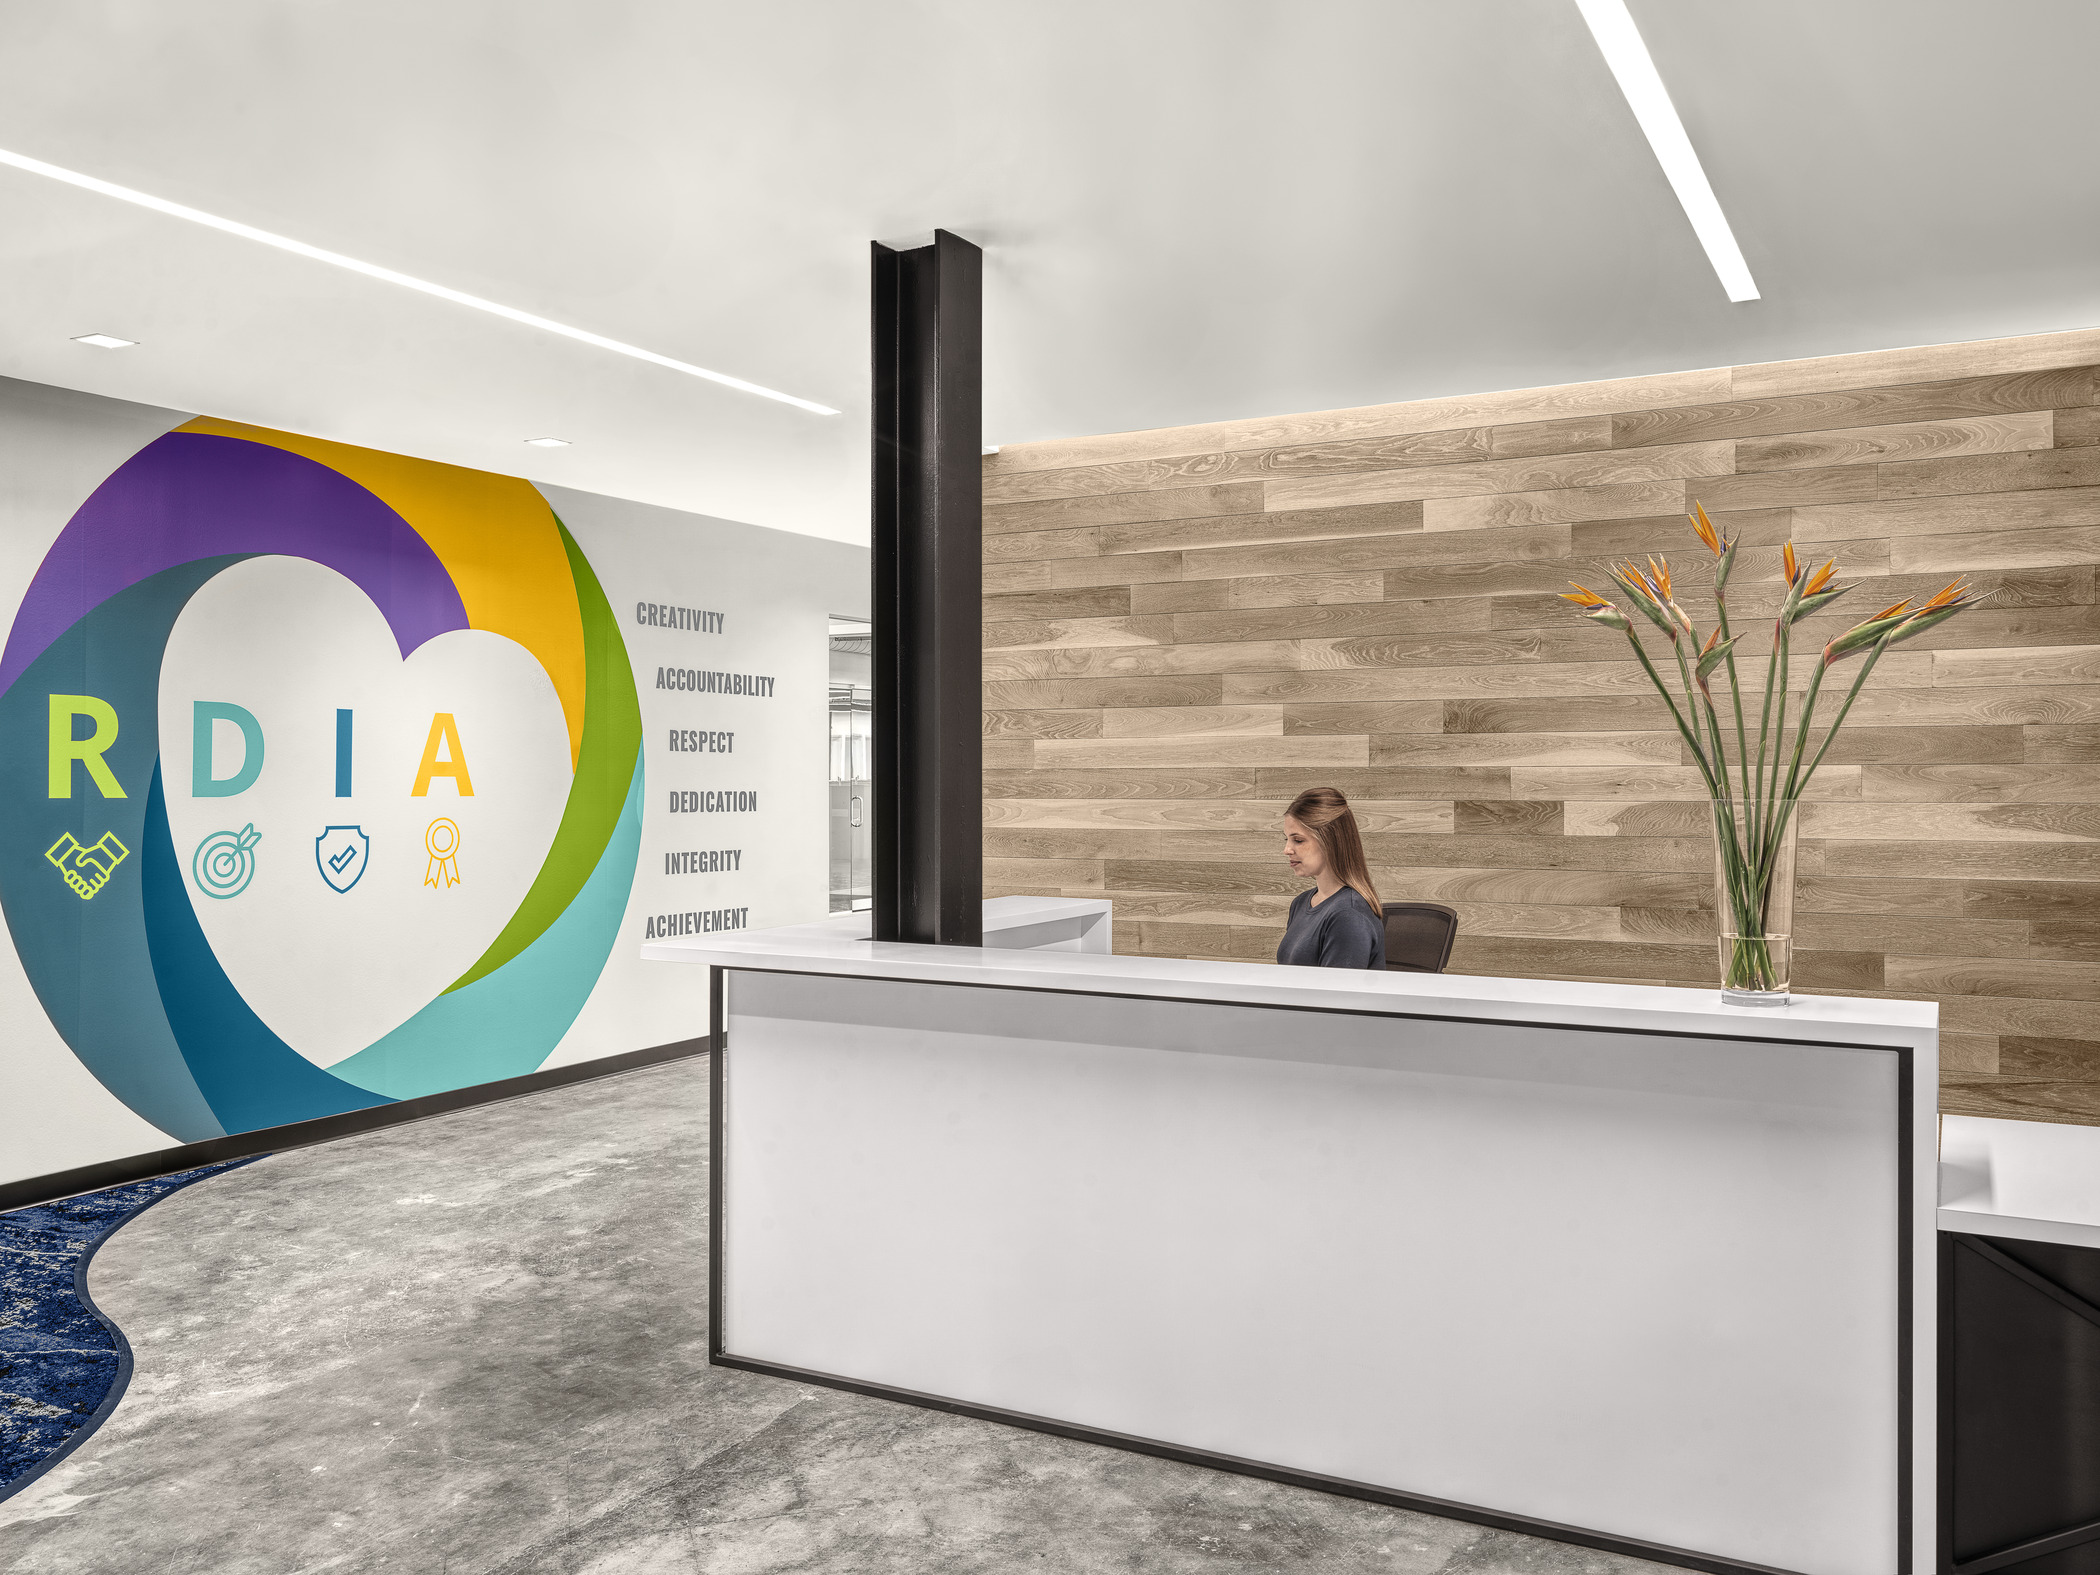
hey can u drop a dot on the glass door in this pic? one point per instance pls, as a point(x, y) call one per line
point(852, 716)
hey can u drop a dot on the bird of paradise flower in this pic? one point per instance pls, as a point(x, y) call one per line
point(1752, 799)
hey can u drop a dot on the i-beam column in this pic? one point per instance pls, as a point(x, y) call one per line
point(928, 584)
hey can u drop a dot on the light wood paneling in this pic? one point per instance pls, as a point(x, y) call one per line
point(1519, 406)
point(1562, 505)
point(1922, 364)
point(1920, 439)
point(1387, 519)
point(1556, 472)
point(1063, 511)
point(1184, 628)
point(1856, 407)
point(1997, 513)
point(1200, 749)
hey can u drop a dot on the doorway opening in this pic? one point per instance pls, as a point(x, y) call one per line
point(852, 716)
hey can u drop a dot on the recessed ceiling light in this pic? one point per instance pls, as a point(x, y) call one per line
point(1627, 55)
point(104, 341)
point(548, 442)
point(284, 243)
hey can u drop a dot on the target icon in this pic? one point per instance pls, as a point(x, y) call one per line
point(224, 862)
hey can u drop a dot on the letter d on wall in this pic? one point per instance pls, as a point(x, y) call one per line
point(203, 784)
point(65, 748)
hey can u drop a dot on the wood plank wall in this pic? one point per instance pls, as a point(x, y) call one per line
point(1185, 627)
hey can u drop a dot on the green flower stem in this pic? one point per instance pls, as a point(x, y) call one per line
point(1729, 828)
point(1851, 695)
point(1783, 810)
point(1691, 702)
point(1764, 724)
point(1796, 783)
point(1786, 652)
point(1735, 690)
point(1698, 754)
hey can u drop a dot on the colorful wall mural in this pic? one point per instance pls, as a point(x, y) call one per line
point(325, 773)
point(99, 896)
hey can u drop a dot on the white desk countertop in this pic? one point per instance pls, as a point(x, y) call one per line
point(2029, 1180)
point(831, 948)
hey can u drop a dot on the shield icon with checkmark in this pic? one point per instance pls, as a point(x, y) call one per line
point(341, 852)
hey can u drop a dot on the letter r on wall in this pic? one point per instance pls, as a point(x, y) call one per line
point(65, 748)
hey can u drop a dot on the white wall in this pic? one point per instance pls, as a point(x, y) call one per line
point(776, 592)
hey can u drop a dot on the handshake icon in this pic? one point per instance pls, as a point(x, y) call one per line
point(87, 869)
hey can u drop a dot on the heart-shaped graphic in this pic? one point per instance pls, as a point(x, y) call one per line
point(109, 918)
point(350, 922)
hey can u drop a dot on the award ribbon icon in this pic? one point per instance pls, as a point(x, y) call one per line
point(224, 862)
point(441, 842)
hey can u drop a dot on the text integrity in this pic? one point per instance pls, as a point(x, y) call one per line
point(710, 861)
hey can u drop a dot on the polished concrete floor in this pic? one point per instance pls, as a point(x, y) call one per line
point(477, 1346)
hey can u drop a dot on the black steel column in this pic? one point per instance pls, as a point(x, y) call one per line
point(928, 581)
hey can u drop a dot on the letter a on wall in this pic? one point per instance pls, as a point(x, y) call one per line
point(444, 732)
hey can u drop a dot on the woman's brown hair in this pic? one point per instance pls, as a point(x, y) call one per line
point(1326, 814)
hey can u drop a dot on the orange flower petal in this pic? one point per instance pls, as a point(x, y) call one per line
point(1793, 569)
point(1705, 528)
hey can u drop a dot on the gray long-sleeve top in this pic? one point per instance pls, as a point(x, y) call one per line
point(1341, 932)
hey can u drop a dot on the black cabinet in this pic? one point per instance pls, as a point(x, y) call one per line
point(2019, 1406)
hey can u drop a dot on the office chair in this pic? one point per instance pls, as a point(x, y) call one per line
point(1418, 936)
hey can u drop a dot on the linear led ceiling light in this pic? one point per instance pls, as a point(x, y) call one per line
point(374, 271)
point(104, 341)
point(1628, 57)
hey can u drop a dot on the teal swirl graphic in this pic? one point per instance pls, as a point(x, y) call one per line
point(128, 978)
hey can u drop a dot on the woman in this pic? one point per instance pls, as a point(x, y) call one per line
point(1338, 924)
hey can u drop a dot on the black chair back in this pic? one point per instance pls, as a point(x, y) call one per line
point(1418, 936)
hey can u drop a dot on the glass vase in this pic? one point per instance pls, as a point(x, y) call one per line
point(1754, 900)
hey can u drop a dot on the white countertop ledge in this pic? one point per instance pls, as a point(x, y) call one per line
point(820, 949)
point(2030, 1180)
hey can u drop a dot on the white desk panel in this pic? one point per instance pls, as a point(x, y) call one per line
point(1644, 1283)
point(2030, 1180)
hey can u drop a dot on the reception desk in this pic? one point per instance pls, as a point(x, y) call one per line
point(1616, 1265)
point(2019, 1346)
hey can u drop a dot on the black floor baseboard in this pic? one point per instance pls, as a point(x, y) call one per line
point(299, 1134)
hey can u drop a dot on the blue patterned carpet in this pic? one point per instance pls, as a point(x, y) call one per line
point(63, 1366)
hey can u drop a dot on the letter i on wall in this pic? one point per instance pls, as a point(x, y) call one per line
point(343, 740)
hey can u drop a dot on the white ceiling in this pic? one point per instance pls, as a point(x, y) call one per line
point(1191, 209)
